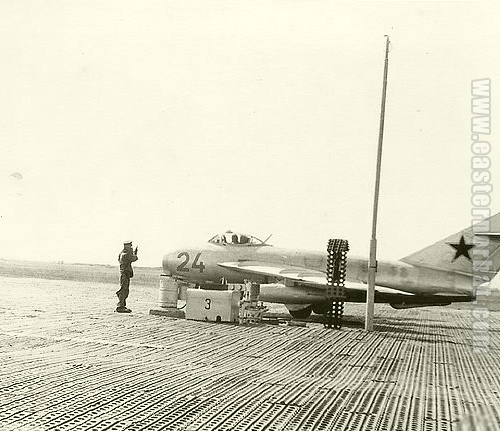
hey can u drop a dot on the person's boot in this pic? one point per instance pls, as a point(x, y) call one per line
point(123, 310)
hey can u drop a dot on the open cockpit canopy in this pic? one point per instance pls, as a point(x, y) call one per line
point(235, 238)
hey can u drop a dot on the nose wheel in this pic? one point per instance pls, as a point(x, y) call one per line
point(336, 265)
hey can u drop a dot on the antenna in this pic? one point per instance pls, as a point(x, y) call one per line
point(372, 264)
point(267, 239)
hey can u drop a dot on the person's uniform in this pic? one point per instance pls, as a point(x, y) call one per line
point(126, 257)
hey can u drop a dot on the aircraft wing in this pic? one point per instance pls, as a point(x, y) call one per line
point(354, 291)
point(292, 273)
point(301, 276)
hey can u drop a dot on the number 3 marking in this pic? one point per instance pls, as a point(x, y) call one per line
point(208, 302)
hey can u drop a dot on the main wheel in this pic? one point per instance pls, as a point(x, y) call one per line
point(319, 308)
point(303, 313)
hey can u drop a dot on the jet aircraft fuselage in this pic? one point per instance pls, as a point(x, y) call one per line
point(217, 262)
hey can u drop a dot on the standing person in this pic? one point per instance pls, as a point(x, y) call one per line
point(126, 257)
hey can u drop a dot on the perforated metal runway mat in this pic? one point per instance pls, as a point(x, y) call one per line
point(67, 362)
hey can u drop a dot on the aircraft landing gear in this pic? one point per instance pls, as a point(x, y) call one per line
point(320, 308)
point(303, 313)
point(336, 265)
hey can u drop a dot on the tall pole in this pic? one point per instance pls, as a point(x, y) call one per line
point(372, 264)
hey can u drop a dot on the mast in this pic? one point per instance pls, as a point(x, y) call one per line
point(372, 264)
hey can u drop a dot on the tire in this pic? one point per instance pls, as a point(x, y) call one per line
point(303, 313)
point(320, 308)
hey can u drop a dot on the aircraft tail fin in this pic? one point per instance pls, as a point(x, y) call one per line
point(473, 250)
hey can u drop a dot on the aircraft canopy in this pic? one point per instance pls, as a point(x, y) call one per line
point(235, 238)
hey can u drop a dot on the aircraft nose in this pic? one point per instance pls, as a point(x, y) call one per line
point(169, 263)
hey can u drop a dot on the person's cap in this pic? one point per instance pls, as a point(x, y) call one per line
point(127, 242)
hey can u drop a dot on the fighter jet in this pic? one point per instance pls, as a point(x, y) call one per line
point(447, 271)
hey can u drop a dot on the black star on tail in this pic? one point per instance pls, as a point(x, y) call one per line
point(462, 249)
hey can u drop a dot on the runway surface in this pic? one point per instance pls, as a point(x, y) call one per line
point(68, 362)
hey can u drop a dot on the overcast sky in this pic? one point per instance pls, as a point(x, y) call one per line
point(166, 122)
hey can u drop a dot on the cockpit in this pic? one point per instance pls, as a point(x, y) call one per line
point(234, 238)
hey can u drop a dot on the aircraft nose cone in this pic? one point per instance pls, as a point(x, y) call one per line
point(169, 263)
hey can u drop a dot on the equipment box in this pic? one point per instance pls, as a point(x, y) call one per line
point(212, 305)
